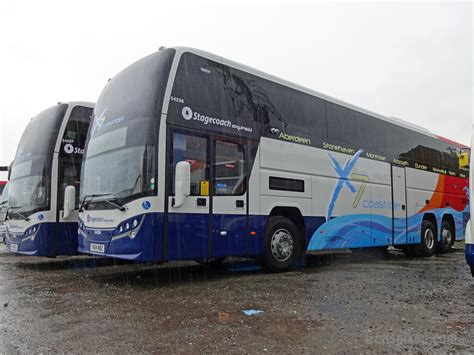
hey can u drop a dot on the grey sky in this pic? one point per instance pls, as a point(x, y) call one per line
point(409, 60)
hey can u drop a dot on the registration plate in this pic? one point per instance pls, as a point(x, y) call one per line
point(14, 247)
point(97, 248)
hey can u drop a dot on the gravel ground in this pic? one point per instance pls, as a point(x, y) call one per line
point(335, 303)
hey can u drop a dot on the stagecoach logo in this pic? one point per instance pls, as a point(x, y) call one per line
point(146, 205)
point(40, 216)
point(188, 114)
point(101, 124)
point(68, 148)
point(274, 130)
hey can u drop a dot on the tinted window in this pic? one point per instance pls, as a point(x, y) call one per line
point(240, 101)
point(373, 134)
point(41, 134)
point(74, 138)
point(209, 96)
point(291, 110)
point(138, 90)
point(198, 83)
point(343, 125)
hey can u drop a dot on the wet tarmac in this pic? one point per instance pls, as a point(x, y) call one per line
point(331, 303)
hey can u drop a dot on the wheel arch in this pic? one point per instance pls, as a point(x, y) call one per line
point(294, 214)
point(448, 217)
point(432, 218)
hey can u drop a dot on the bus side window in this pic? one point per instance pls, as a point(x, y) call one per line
point(229, 169)
point(69, 175)
point(193, 149)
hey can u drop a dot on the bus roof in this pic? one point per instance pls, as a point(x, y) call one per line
point(397, 121)
point(75, 103)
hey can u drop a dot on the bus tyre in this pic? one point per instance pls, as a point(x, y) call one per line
point(427, 247)
point(282, 245)
point(447, 238)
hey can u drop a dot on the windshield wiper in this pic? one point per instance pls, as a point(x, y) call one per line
point(9, 211)
point(115, 204)
point(91, 197)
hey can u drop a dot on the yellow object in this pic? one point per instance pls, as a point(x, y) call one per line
point(204, 188)
point(364, 179)
point(463, 159)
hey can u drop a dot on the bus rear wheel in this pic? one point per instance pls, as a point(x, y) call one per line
point(447, 238)
point(282, 245)
point(428, 244)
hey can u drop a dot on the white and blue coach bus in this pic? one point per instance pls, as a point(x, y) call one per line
point(45, 177)
point(193, 156)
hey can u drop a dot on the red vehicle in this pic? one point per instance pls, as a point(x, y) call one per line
point(2, 186)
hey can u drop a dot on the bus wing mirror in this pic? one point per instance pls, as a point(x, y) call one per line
point(69, 201)
point(182, 183)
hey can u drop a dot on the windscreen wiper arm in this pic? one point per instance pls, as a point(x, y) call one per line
point(10, 210)
point(91, 197)
point(116, 205)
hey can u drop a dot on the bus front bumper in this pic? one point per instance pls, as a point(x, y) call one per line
point(134, 239)
point(44, 239)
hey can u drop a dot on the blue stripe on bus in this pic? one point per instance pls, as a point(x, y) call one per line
point(188, 236)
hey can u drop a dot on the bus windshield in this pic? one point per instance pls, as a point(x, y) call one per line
point(4, 198)
point(29, 187)
point(30, 182)
point(121, 150)
point(121, 164)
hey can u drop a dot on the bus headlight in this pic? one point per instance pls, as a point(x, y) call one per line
point(129, 228)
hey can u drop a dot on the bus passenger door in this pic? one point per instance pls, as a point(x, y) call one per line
point(229, 230)
point(188, 225)
point(399, 208)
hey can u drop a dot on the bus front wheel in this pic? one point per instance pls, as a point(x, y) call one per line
point(282, 244)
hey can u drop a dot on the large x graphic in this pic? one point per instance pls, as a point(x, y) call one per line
point(343, 173)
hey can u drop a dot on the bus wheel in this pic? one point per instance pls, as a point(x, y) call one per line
point(427, 247)
point(282, 245)
point(447, 238)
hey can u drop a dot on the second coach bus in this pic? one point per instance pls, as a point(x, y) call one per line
point(45, 177)
point(193, 156)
